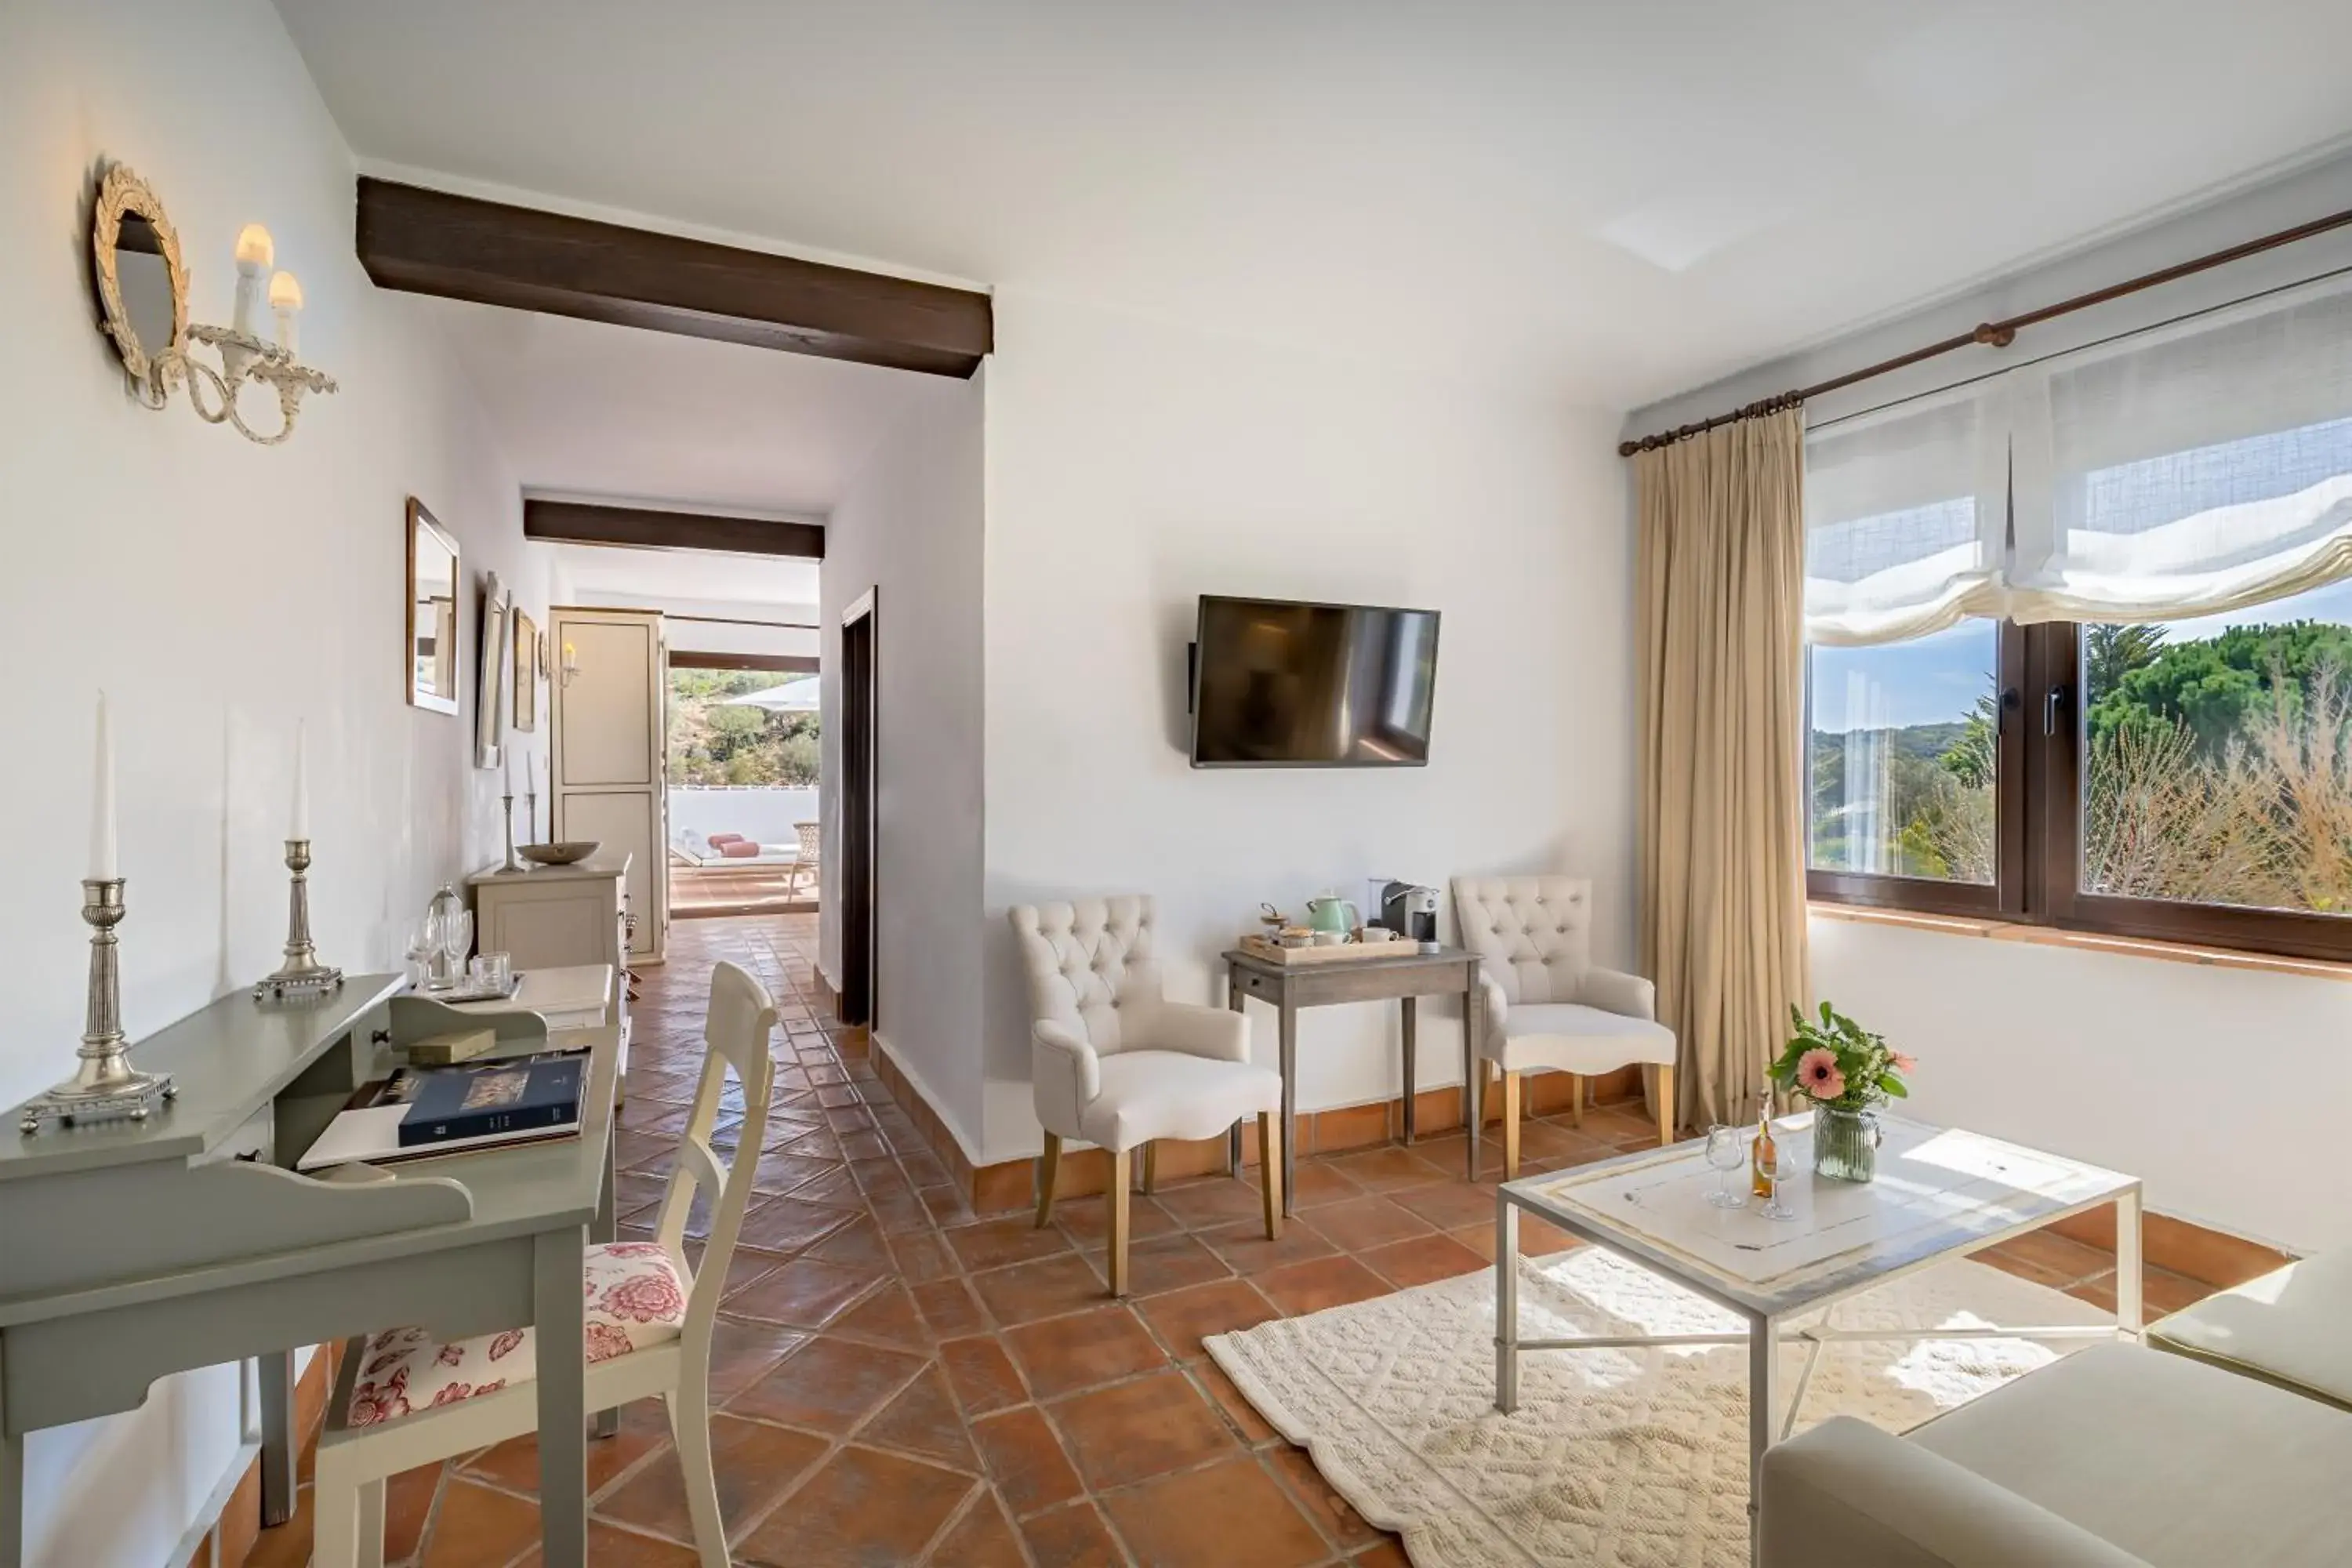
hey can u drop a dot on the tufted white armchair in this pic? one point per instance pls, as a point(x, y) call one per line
point(1115, 1064)
point(1549, 1008)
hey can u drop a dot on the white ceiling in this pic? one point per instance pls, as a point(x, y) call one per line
point(700, 580)
point(1624, 199)
point(588, 410)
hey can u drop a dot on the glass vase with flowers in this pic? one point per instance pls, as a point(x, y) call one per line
point(1844, 1071)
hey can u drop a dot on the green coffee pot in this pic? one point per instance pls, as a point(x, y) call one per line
point(1329, 912)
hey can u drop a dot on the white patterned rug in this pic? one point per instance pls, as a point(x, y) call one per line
point(1614, 1458)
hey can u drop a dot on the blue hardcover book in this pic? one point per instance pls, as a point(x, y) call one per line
point(482, 1099)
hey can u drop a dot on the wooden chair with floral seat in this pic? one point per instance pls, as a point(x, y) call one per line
point(402, 1400)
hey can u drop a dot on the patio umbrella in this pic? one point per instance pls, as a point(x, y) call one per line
point(792, 696)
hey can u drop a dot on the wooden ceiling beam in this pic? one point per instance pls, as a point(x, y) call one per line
point(425, 241)
point(648, 528)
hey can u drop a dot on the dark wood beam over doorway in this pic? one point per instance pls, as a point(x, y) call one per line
point(647, 527)
point(460, 247)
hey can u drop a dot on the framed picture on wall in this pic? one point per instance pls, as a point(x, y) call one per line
point(430, 651)
point(490, 690)
point(526, 672)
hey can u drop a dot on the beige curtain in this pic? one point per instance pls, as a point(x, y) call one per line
point(1722, 712)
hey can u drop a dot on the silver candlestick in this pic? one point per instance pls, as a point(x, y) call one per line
point(531, 813)
point(301, 974)
point(105, 1085)
point(513, 861)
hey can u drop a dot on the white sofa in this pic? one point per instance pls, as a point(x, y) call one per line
point(2116, 1457)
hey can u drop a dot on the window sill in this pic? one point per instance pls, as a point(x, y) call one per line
point(2092, 942)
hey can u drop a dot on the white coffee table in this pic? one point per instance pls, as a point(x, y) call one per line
point(1940, 1193)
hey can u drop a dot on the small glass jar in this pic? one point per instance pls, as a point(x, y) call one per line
point(1845, 1144)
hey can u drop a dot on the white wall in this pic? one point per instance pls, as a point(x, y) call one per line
point(218, 590)
point(2220, 1087)
point(1133, 468)
point(909, 531)
point(2223, 1090)
point(770, 814)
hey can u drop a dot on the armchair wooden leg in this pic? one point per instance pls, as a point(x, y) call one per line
point(1151, 1168)
point(1510, 1127)
point(1049, 1168)
point(1121, 1173)
point(1665, 1106)
point(1576, 1098)
point(1269, 1132)
point(1473, 1103)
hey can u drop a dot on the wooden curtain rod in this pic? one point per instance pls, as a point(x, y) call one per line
point(1996, 334)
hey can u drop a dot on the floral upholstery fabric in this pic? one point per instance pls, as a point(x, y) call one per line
point(635, 1296)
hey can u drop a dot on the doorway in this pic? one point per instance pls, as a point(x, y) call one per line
point(744, 740)
point(857, 777)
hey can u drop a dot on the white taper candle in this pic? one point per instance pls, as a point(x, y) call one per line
point(301, 825)
point(104, 867)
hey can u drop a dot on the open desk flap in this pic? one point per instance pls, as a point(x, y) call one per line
point(150, 1222)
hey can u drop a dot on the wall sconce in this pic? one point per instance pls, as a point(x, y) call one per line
point(142, 287)
point(571, 666)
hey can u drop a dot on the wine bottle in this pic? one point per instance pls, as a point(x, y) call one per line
point(1763, 1156)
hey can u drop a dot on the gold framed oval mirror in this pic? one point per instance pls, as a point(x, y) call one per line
point(143, 284)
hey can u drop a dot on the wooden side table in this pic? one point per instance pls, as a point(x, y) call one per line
point(1404, 979)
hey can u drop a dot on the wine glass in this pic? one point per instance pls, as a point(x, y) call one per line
point(1726, 1151)
point(456, 939)
point(431, 932)
point(424, 946)
point(1772, 1165)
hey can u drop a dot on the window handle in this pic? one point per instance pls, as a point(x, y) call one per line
point(2052, 701)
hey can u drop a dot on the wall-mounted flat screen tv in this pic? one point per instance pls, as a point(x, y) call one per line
point(1284, 685)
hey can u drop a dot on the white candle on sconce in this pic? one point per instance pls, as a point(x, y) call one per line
point(104, 863)
point(286, 299)
point(300, 828)
point(256, 254)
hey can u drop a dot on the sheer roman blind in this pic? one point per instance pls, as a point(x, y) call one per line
point(1905, 517)
point(2187, 472)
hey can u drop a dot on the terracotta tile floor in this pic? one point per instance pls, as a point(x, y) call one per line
point(901, 1382)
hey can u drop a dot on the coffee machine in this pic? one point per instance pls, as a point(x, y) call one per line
point(1411, 911)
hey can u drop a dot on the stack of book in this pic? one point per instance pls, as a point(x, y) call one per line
point(421, 1112)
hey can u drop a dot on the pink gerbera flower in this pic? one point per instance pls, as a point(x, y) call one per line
point(1817, 1071)
point(1903, 1063)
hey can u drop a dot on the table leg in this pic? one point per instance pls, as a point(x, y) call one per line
point(276, 1381)
point(1473, 1082)
point(11, 1477)
point(1507, 1304)
point(559, 1323)
point(1289, 1102)
point(1411, 1077)
point(1763, 1399)
point(1239, 1003)
point(608, 1421)
point(2127, 1264)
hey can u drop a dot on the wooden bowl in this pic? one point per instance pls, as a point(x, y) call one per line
point(561, 853)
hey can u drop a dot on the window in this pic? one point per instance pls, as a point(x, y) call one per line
point(2159, 741)
point(2216, 758)
point(1901, 757)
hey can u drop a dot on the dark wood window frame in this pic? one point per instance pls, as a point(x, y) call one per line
point(2038, 851)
